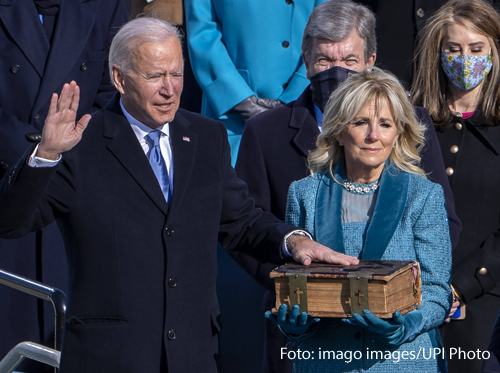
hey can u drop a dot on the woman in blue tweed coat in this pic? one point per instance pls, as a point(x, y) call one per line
point(368, 198)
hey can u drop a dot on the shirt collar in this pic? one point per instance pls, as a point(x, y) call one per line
point(140, 129)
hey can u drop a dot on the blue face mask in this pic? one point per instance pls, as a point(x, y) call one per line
point(466, 72)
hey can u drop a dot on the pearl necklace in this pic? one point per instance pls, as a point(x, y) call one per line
point(359, 188)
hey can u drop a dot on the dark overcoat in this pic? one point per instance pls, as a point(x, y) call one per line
point(31, 69)
point(142, 273)
point(471, 153)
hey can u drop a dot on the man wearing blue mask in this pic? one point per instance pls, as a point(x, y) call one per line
point(339, 39)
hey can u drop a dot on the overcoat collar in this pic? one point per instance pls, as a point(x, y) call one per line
point(76, 19)
point(490, 134)
point(127, 150)
point(125, 147)
point(304, 120)
point(389, 208)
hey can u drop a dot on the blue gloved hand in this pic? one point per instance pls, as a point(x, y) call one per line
point(392, 332)
point(295, 325)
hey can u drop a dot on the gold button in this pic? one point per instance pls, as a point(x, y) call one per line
point(454, 149)
point(458, 126)
point(483, 271)
point(420, 12)
point(449, 171)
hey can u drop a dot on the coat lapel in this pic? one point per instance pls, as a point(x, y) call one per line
point(388, 211)
point(75, 21)
point(303, 119)
point(386, 216)
point(184, 144)
point(20, 18)
point(125, 147)
point(489, 134)
point(328, 219)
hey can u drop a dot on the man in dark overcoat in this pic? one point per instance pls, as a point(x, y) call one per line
point(43, 44)
point(142, 201)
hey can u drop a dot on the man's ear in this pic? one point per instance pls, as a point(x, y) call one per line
point(371, 60)
point(118, 79)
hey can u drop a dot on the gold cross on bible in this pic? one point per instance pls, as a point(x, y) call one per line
point(298, 292)
point(359, 294)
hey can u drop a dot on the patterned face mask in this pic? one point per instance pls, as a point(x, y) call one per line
point(466, 72)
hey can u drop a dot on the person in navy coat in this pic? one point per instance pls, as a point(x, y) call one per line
point(42, 45)
point(275, 144)
point(141, 248)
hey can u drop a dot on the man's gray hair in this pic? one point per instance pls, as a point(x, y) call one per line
point(335, 19)
point(135, 33)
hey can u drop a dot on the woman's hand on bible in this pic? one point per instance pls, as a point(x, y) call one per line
point(293, 325)
point(392, 332)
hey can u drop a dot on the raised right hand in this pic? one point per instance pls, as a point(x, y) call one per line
point(60, 132)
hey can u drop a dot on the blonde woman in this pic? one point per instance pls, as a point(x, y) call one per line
point(368, 197)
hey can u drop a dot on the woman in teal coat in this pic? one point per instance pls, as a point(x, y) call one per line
point(241, 49)
point(368, 197)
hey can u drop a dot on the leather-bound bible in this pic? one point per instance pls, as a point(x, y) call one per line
point(328, 290)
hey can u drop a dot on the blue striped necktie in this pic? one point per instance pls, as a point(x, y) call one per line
point(157, 162)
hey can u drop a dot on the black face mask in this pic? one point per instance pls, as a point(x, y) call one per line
point(325, 82)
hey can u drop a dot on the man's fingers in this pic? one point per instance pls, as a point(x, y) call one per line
point(63, 97)
point(75, 98)
point(83, 122)
point(306, 251)
point(53, 105)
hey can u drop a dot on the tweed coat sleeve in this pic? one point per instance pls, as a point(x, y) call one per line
point(433, 165)
point(297, 212)
point(433, 251)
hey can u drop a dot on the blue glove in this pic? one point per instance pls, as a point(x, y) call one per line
point(392, 332)
point(296, 325)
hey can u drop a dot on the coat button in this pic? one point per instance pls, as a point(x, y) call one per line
point(15, 69)
point(483, 271)
point(449, 171)
point(169, 230)
point(83, 66)
point(171, 334)
point(357, 335)
point(285, 44)
point(172, 282)
point(34, 137)
point(458, 126)
point(289, 2)
point(454, 149)
point(36, 116)
point(420, 12)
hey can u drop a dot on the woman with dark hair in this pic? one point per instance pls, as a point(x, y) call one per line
point(457, 79)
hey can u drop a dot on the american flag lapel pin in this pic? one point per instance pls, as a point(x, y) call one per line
point(185, 138)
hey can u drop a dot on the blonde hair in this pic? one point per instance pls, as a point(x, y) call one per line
point(349, 99)
point(430, 82)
